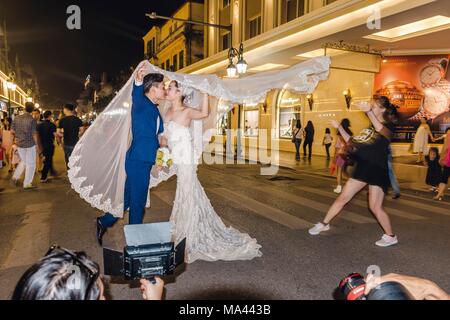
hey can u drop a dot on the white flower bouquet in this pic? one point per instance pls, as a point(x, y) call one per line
point(164, 158)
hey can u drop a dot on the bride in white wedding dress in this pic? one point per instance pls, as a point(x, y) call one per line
point(193, 217)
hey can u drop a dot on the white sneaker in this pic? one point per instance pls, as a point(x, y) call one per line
point(318, 228)
point(387, 241)
point(338, 189)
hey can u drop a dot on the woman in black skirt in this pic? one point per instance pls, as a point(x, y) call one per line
point(371, 167)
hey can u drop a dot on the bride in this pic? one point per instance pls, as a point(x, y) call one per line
point(193, 217)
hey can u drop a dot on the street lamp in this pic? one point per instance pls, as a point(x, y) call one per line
point(241, 65)
point(11, 87)
point(239, 69)
point(29, 99)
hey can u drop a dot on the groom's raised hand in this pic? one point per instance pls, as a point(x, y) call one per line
point(140, 74)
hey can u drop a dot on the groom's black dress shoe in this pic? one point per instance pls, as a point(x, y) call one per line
point(101, 230)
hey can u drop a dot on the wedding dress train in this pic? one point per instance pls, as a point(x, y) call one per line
point(193, 217)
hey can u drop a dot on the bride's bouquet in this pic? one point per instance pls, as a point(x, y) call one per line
point(164, 158)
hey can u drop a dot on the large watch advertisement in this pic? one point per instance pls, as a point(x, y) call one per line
point(420, 87)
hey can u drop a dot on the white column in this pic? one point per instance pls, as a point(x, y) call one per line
point(213, 33)
point(314, 5)
point(237, 17)
point(270, 14)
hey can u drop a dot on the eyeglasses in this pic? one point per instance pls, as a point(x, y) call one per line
point(93, 274)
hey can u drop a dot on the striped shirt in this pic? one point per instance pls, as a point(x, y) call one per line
point(24, 127)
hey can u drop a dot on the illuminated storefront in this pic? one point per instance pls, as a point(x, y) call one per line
point(274, 39)
point(289, 108)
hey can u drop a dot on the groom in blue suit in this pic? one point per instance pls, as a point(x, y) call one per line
point(147, 125)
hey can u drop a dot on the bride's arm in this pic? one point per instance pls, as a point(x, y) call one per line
point(196, 114)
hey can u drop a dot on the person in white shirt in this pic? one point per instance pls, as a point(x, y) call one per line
point(327, 140)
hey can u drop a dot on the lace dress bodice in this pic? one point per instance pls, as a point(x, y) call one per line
point(180, 143)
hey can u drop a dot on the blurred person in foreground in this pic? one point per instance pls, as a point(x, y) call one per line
point(420, 289)
point(66, 275)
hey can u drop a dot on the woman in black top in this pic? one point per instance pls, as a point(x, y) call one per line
point(371, 159)
point(297, 135)
point(309, 139)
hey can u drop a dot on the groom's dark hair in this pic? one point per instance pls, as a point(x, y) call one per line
point(152, 80)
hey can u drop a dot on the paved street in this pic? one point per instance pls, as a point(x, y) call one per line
point(276, 210)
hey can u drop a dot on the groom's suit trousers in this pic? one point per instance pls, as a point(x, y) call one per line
point(136, 191)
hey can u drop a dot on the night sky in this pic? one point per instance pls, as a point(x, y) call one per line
point(110, 39)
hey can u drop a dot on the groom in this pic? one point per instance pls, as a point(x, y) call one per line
point(147, 125)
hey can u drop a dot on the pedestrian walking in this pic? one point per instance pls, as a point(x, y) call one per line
point(47, 132)
point(297, 136)
point(39, 158)
point(70, 128)
point(7, 140)
point(340, 161)
point(309, 139)
point(327, 141)
point(24, 130)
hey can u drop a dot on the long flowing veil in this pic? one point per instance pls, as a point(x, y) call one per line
point(97, 165)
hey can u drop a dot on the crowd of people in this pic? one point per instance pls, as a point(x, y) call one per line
point(28, 143)
point(437, 162)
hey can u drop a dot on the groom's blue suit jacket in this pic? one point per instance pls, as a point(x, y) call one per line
point(144, 121)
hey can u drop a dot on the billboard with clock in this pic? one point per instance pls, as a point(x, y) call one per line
point(420, 87)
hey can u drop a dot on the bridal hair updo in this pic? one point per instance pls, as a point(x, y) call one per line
point(152, 80)
point(53, 278)
point(183, 97)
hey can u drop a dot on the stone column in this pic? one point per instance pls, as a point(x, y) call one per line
point(237, 21)
point(269, 15)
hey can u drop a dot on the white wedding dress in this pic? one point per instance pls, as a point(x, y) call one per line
point(193, 217)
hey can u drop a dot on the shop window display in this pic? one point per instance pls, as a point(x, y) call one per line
point(251, 121)
point(289, 110)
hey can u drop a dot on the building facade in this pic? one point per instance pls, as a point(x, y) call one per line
point(276, 34)
point(175, 44)
point(17, 97)
point(25, 85)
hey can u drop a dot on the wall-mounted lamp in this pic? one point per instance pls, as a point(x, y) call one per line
point(265, 107)
point(241, 66)
point(348, 97)
point(310, 99)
